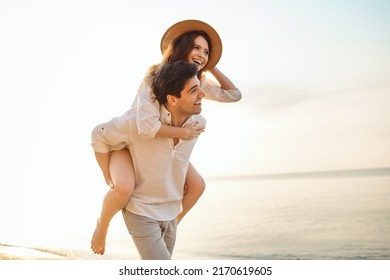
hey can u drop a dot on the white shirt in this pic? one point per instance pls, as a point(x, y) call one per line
point(160, 166)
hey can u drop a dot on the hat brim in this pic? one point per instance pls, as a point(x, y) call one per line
point(190, 25)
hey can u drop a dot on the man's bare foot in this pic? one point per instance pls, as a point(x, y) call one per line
point(98, 241)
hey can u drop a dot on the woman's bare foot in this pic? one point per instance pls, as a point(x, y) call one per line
point(98, 241)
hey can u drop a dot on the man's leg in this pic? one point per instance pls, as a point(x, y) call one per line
point(169, 232)
point(154, 240)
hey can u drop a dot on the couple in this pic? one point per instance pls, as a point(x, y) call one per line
point(144, 154)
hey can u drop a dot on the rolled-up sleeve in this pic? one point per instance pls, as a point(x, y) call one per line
point(111, 136)
point(148, 112)
point(213, 91)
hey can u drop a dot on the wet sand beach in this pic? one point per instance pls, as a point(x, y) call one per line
point(14, 252)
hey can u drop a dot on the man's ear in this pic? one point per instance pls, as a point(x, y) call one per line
point(171, 99)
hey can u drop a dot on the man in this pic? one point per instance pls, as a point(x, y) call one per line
point(160, 164)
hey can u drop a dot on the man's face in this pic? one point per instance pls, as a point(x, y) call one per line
point(190, 102)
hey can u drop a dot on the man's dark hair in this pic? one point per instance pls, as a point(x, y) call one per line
point(170, 79)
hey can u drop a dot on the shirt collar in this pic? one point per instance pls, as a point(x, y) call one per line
point(165, 115)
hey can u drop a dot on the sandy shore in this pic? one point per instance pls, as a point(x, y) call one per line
point(14, 252)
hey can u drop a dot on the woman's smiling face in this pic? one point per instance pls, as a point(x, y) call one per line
point(200, 52)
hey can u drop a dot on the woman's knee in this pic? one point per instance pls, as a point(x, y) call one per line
point(122, 174)
point(195, 182)
point(201, 186)
point(196, 187)
point(123, 189)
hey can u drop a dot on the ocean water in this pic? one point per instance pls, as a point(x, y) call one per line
point(315, 218)
point(318, 217)
point(283, 218)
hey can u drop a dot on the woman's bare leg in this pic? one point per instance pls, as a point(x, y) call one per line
point(195, 188)
point(122, 175)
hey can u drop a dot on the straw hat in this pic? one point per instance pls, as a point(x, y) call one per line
point(192, 25)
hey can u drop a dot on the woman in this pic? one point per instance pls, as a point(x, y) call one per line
point(190, 40)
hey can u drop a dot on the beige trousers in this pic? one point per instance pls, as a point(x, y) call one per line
point(154, 240)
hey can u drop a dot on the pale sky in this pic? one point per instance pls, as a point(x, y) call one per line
point(314, 77)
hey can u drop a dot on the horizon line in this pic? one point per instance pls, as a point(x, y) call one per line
point(360, 172)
